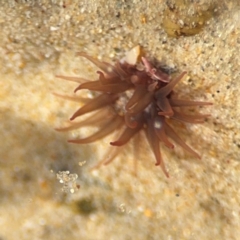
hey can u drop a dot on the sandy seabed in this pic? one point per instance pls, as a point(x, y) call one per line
point(39, 40)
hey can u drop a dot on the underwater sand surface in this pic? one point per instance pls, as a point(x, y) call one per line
point(39, 40)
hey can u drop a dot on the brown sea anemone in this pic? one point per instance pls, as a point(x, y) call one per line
point(132, 96)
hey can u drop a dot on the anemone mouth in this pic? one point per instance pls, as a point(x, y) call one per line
point(140, 99)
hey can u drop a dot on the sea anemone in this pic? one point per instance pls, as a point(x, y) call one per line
point(131, 96)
